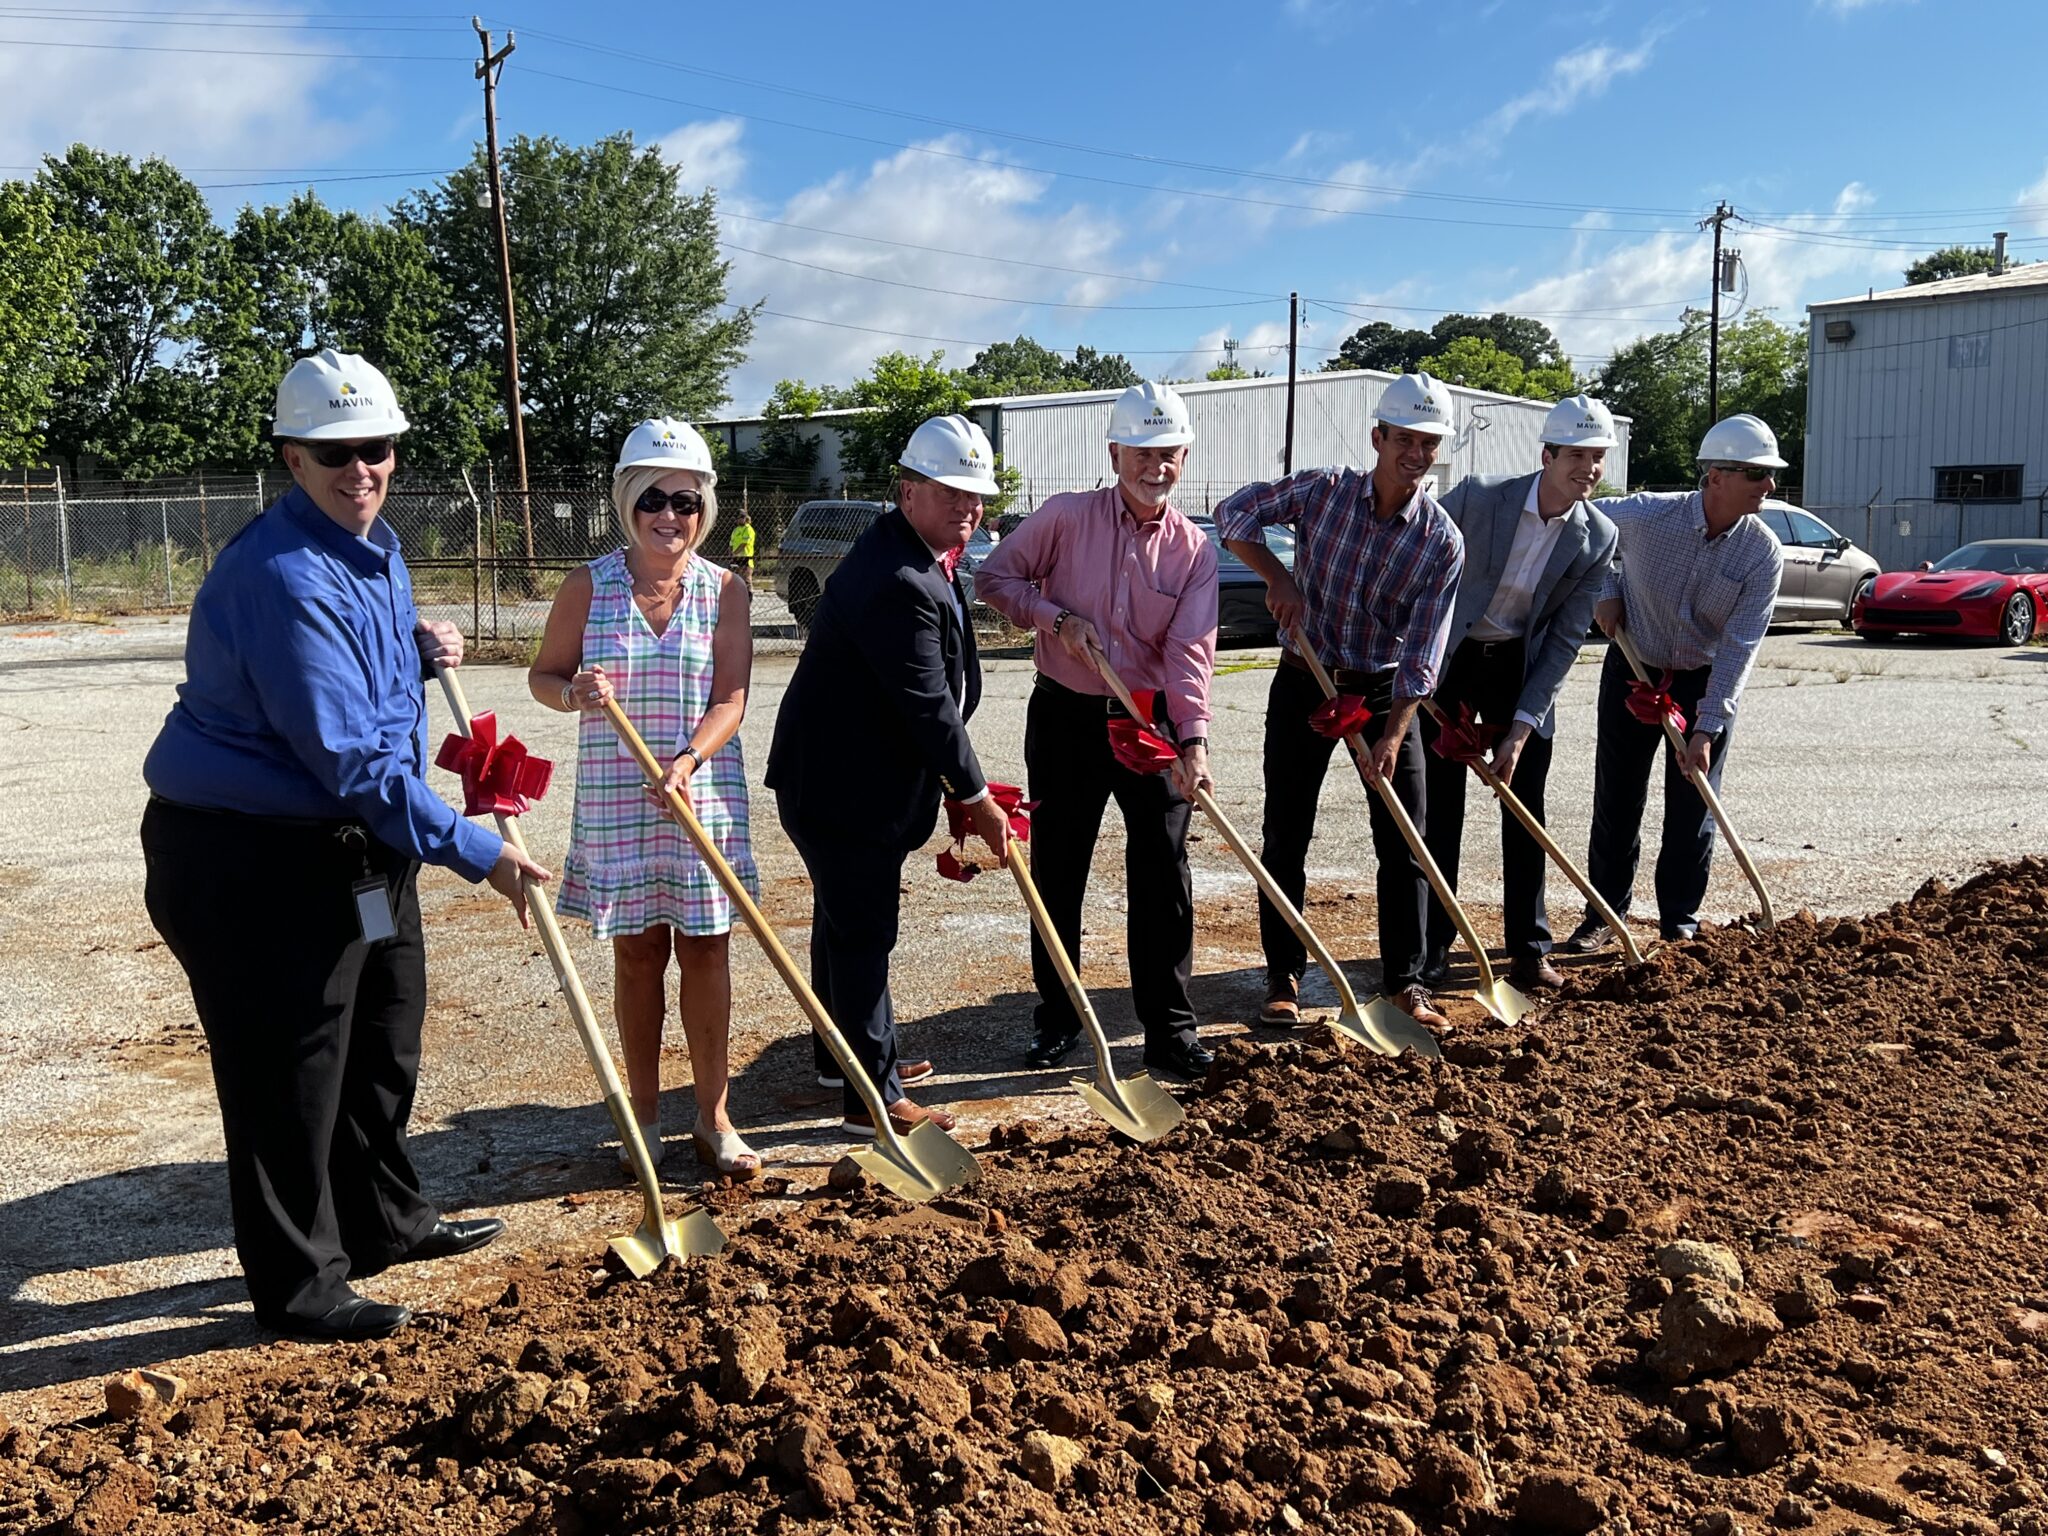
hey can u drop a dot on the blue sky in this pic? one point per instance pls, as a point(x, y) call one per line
point(1156, 179)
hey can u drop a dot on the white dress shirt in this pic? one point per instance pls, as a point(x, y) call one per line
point(1507, 616)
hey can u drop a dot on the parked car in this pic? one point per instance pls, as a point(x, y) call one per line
point(1995, 589)
point(818, 538)
point(1824, 572)
point(1241, 612)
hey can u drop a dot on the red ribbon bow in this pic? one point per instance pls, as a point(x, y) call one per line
point(1465, 740)
point(1138, 749)
point(1008, 798)
point(950, 559)
point(498, 777)
point(1339, 717)
point(1654, 706)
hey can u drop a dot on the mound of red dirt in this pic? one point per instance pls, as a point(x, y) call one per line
point(1748, 1239)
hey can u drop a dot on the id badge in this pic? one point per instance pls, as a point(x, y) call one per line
point(373, 911)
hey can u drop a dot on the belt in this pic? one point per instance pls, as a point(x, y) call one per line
point(255, 822)
point(1493, 647)
point(1346, 678)
point(1110, 705)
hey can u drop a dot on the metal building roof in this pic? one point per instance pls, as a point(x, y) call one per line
point(1976, 285)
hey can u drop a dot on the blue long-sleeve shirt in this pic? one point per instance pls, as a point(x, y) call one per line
point(302, 693)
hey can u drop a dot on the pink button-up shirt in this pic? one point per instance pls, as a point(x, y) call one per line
point(1148, 588)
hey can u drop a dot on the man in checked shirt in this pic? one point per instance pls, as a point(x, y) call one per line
point(1694, 584)
point(1375, 579)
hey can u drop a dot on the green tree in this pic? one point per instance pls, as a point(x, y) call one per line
point(1023, 367)
point(1660, 381)
point(1103, 370)
point(1477, 362)
point(1529, 340)
point(787, 454)
point(42, 288)
point(1950, 261)
point(1378, 345)
point(136, 399)
point(621, 296)
point(899, 393)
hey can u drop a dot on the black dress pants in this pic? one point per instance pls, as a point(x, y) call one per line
point(1074, 775)
point(1487, 677)
point(314, 1037)
point(856, 901)
point(1621, 785)
point(1296, 758)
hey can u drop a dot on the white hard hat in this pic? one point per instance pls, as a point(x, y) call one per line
point(334, 395)
point(1580, 422)
point(1150, 415)
point(1741, 439)
point(1418, 402)
point(666, 443)
point(953, 451)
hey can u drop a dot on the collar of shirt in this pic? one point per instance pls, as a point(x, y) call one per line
point(1696, 518)
point(369, 555)
point(1370, 500)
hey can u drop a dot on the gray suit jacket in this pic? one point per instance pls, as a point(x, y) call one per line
point(1486, 509)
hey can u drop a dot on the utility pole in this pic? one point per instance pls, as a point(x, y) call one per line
point(487, 70)
point(1721, 215)
point(1293, 326)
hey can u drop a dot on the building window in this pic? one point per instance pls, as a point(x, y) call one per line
point(1972, 351)
point(1977, 482)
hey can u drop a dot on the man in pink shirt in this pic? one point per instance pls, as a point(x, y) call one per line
point(1121, 571)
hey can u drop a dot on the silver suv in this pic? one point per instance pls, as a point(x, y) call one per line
point(818, 538)
point(1824, 572)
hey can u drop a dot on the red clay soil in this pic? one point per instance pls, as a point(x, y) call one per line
point(1750, 1239)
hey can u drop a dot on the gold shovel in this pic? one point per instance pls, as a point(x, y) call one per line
point(918, 1166)
point(1138, 1106)
point(1504, 1002)
point(1385, 1029)
point(1699, 782)
point(1513, 802)
point(657, 1237)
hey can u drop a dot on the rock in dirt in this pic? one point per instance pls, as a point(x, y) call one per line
point(1015, 1270)
point(1564, 1503)
point(1710, 1261)
point(1764, 1434)
point(1032, 1333)
point(749, 1352)
point(808, 1455)
point(1706, 1328)
point(1399, 1192)
point(1066, 1292)
point(134, 1393)
point(1049, 1460)
point(1482, 1151)
point(848, 1177)
point(1229, 1508)
point(496, 1415)
point(1862, 1499)
point(1806, 1299)
point(1229, 1344)
point(1151, 1403)
point(1446, 1477)
point(609, 1490)
point(113, 1504)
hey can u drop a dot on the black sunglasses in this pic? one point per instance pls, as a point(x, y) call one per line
point(1750, 472)
point(654, 501)
point(335, 455)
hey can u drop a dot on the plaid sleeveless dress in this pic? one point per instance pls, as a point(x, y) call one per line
point(629, 867)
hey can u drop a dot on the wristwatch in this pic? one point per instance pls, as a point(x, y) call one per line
point(1193, 741)
point(691, 748)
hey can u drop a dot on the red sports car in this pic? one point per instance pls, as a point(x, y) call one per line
point(1995, 589)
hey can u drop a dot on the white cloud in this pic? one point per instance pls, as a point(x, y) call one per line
point(2031, 206)
point(706, 153)
point(1850, 7)
point(1574, 78)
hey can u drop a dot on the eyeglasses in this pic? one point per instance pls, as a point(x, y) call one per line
point(335, 455)
point(1753, 473)
point(654, 501)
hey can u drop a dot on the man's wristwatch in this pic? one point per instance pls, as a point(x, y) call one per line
point(1194, 741)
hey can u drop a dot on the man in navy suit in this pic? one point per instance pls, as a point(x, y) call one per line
point(873, 730)
point(1536, 555)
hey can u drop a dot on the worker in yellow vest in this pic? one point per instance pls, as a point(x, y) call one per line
point(741, 546)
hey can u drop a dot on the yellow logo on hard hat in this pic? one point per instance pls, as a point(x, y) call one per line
point(347, 388)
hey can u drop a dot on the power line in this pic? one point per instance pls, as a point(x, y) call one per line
point(968, 341)
point(18, 13)
point(1355, 308)
point(234, 53)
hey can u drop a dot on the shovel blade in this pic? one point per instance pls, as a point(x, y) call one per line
point(1353, 1025)
point(1504, 1002)
point(696, 1236)
point(1146, 1111)
point(1398, 1031)
point(932, 1164)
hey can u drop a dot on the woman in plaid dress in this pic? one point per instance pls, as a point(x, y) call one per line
point(666, 633)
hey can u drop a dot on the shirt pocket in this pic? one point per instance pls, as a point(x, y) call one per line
point(1151, 611)
point(1715, 597)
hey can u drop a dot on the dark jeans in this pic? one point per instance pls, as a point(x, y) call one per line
point(1296, 758)
point(1621, 784)
point(856, 899)
point(314, 1038)
point(1487, 676)
point(1073, 777)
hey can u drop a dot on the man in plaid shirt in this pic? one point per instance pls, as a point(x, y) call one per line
point(1375, 579)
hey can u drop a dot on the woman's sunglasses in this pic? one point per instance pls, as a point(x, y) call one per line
point(654, 502)
point(335, 455)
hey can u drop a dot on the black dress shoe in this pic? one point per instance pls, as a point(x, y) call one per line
point(1590, 937)
point(1436, 968)
point(1183, 1056)
point(1051, 1047)
point(345, 1322)
point(446, 1238)
point(1678, 933)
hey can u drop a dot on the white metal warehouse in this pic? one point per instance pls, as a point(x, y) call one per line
point(1056, 442)
point(1927, 414)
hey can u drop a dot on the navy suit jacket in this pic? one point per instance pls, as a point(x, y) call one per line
point(1486, 509)
point(873, 728)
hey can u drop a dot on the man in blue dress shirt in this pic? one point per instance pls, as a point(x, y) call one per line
point(286, 825)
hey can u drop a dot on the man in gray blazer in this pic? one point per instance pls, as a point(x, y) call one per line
point(1536, 556)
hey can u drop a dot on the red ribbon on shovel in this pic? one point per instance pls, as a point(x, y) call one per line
point(1008, 798)
point(1465, 740)
point(499, 777)
point(1653, 706)
point(1342, 715)
point(1138, 749)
